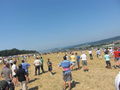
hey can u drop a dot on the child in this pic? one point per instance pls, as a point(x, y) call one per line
point(49, 63)
point(107, 59)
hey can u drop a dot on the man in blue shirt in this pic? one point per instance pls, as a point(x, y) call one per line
point(66, 66)
point(25, 66)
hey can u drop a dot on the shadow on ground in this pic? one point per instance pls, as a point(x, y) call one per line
point(74, 83)
point(34, 88)
point(33, 80)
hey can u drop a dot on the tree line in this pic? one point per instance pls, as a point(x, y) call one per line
point(15, 51)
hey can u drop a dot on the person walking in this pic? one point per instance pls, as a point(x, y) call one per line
point(22, 77)
point(25, 66)
point(49, 63)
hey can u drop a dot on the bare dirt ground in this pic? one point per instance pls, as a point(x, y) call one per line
point(98, 77)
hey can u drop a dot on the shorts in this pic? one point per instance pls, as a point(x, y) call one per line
point(107, 62)
point(67, 76)
point(84, 63)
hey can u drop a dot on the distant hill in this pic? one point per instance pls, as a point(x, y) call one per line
point(89, 44)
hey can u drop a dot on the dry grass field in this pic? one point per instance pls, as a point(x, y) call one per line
point(98, 77)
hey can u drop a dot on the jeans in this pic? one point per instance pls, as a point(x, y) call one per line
point(37, 68)
point(42, 68)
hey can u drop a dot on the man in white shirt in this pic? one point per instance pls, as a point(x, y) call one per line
point(90, 54)
point(98, 52)
point(117, 82)
point(84, 61)
point(37, 64)
point(14, 69)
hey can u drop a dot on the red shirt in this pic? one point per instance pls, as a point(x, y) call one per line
point(117, 54)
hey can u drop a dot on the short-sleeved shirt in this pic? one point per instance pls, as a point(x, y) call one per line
point(21, 75)
point(73, 58)
point(11, 61)
point(6, 72)
point(90, 52)
point(66, 66)
point(117, 54)
point(14, 67)
point(83, 57)
point(49, 64)
point(41, 60)
point(37, 62)
point(25, 66)
point(107, 57)
point(98, 52)
point(78, 57)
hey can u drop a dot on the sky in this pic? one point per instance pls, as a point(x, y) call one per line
point(46, 24)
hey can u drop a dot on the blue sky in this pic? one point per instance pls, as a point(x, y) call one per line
point(44, 24)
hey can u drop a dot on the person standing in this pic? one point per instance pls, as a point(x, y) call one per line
point(107, 59)
point(117, 82)
point(117, 58)
point(78, 60)
point(73, 60)
point(11, 62)
point(14, 69)
point(66, 66)
point(6, 73)
point(90, 54)
point(84, 62)
point(37, 64)
point(22, 77)
point(98, 52)
point(49, 63)
point(42, 65)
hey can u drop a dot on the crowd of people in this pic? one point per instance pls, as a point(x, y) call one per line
point(14, 74)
